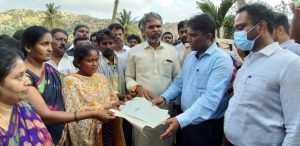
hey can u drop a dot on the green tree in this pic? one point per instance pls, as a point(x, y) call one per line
point(228, 27)
point(218, 13)
point(283, 8)
point(127, 21)
point(52, 16)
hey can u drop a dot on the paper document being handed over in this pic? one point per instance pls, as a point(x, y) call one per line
point(140, 113)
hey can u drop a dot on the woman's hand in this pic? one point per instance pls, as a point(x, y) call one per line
point(104, 115)
point(117, 104)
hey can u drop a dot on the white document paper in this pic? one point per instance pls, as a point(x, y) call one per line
point(141, 113)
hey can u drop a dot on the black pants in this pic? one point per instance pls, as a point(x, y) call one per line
point(208, 133)
point(127, 129)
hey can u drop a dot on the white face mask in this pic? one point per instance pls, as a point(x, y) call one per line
point(241, 40)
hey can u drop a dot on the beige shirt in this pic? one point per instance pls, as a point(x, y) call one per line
point(154, 69)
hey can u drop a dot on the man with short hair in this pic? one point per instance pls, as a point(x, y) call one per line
point(133, 40)
point(151, 67)
point(79, 30)
point(93, 38)
point(202, 85)
point(167, 37)
point(59, 58)
point(281, 33)
point(264, 109)
point(120, 48)
point(113, 68)
point(295, 30)
point(183, 48)
point(81, 40)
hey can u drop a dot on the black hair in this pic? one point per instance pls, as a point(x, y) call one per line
point(281, 20)
point(116, 26)
point(31, 36)
point(79, 26)
point(204, 23)
point(81, 51)
point(259, 12)
point(167, 32)
point(133, 36)
point(55, 30)
point(18, 34)
point(79, 38)
point(104, 32)
point(10, 43)
point(181, 24)
point(8, 59)
point(94, 34)
point(139, 24)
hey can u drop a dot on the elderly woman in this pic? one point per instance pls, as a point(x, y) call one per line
point(88, 91)
point(19, 123)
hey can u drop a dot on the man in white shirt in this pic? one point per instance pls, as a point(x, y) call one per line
point(264, 110)
point(281, 33)
point(151, 67)
point(59, 58)
point(183, 45)
point(120, 49)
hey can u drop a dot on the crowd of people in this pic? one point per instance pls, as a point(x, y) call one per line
point(52, 93)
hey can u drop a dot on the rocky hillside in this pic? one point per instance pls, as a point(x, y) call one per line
point(16, 19)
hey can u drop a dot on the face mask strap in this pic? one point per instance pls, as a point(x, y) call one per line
point(252, 27)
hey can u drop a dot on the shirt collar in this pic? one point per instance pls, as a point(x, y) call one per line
point(210, 50)
point(147, 46)
point(65, 55)
point(286, 43)
point(71, 47)
point(108, 62)
point(270, 49)
point(124, 49)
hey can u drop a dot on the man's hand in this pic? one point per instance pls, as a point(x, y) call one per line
point(173, 127)
point(144, 93)
point(160, 101)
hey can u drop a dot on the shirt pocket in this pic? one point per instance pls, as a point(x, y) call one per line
point(167, 67)
point(200, 80)
point(254, 91)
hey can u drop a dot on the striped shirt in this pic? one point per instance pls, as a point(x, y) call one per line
point(265, 108)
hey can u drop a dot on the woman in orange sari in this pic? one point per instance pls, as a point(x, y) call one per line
point(88, 91)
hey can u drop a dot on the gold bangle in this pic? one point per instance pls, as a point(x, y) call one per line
point(137, 87)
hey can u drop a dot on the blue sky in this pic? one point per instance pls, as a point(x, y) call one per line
point(170, 10)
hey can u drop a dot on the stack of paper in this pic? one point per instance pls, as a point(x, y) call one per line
point(140, 113)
